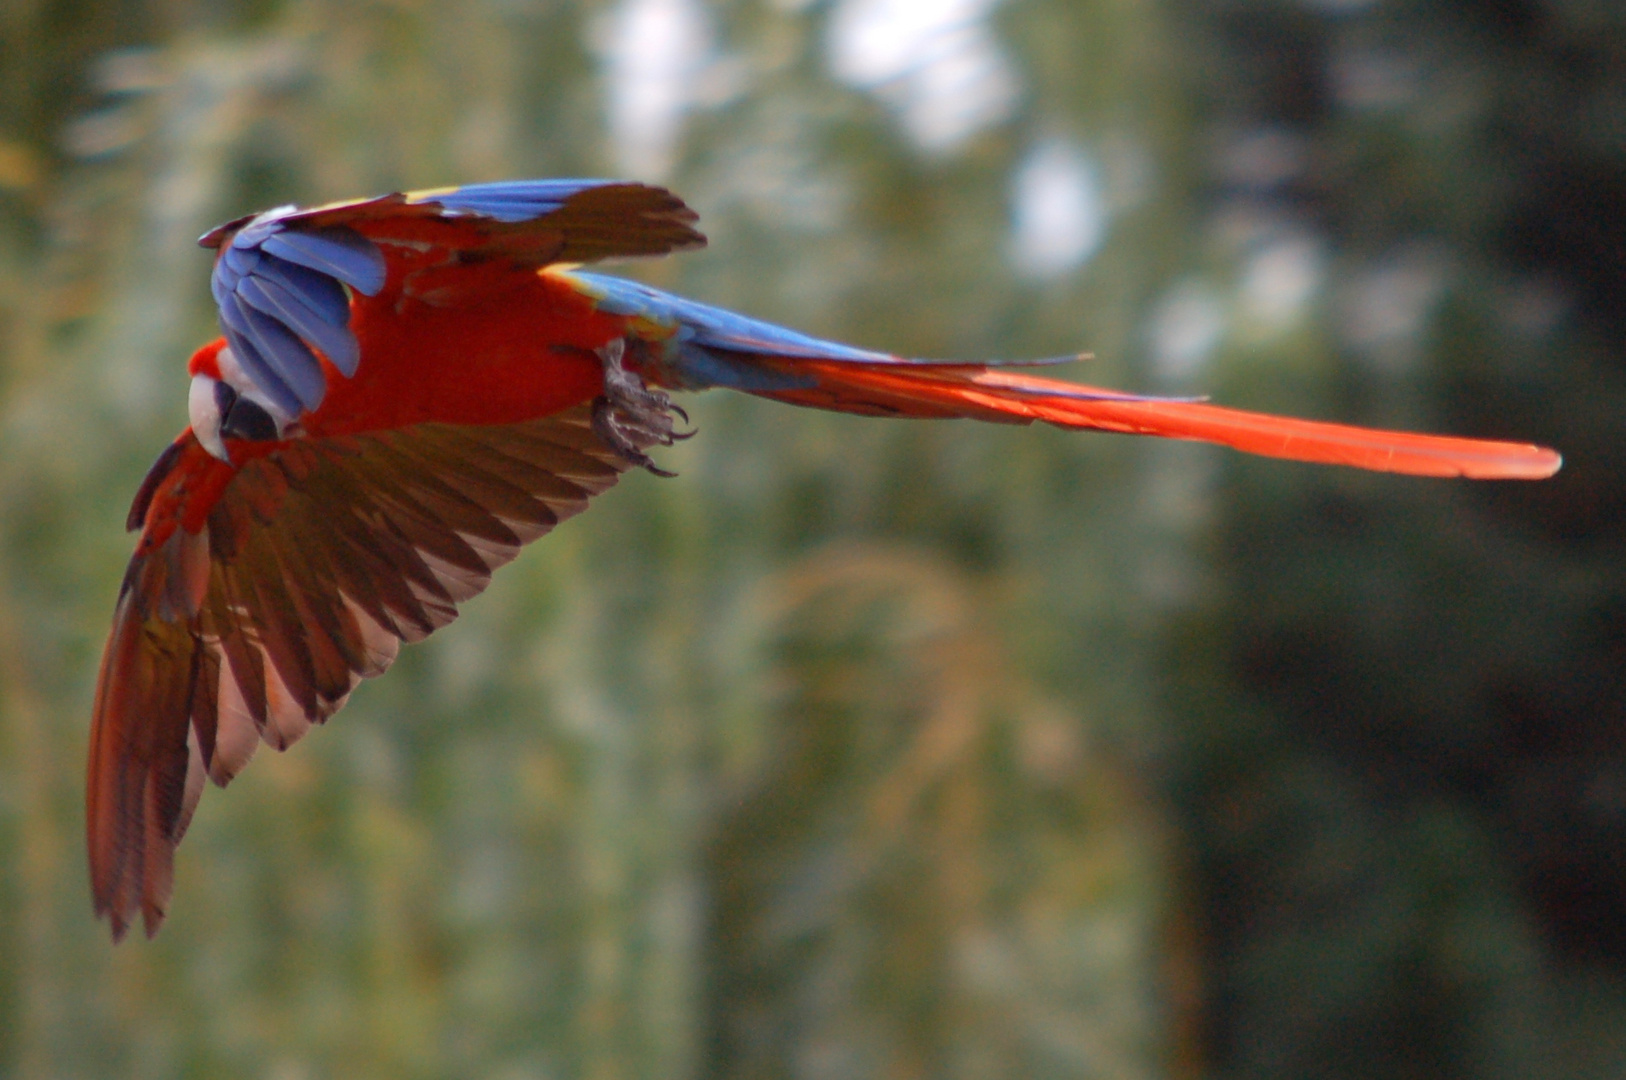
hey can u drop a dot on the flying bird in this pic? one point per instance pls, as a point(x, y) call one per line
point(410, 388)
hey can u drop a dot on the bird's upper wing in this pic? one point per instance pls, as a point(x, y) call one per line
point(280, 276)
point(316, 561)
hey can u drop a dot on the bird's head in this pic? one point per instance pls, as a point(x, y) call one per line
point(224, 402)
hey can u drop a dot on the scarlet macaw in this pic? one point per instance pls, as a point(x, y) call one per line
point(408, 390)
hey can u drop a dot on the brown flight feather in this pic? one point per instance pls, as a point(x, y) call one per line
point(315, 563)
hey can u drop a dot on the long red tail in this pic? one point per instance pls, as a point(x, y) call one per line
point(984, 394)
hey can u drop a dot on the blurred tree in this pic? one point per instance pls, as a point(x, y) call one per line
point(1404, 755)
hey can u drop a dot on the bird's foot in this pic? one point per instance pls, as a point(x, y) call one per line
point(631, 417)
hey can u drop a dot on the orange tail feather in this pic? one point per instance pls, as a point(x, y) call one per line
point(969, 391)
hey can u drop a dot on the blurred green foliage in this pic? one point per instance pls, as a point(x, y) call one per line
point(864, 748)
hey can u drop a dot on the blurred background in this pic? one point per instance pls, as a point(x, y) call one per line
point(883, 749)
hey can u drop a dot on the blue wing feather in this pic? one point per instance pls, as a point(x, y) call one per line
point(288, 358)
point(341, 253)
point(508, 201)
point(240, 336)
point(292, 358)
point(267, 295)
point(324, 296)
point(219, 287)
point(240, 260)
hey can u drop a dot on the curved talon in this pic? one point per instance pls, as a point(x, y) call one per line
point(679, 436)
point(630, 416)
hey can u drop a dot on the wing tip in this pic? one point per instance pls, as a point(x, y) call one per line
point(119, 926)
point(122, 917)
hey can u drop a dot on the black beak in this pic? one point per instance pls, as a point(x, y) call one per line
point(243, 419)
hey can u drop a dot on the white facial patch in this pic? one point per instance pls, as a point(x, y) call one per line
point(203, 403)
point(204, 411)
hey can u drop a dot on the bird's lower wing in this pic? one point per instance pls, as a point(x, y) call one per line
point(317, 561)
